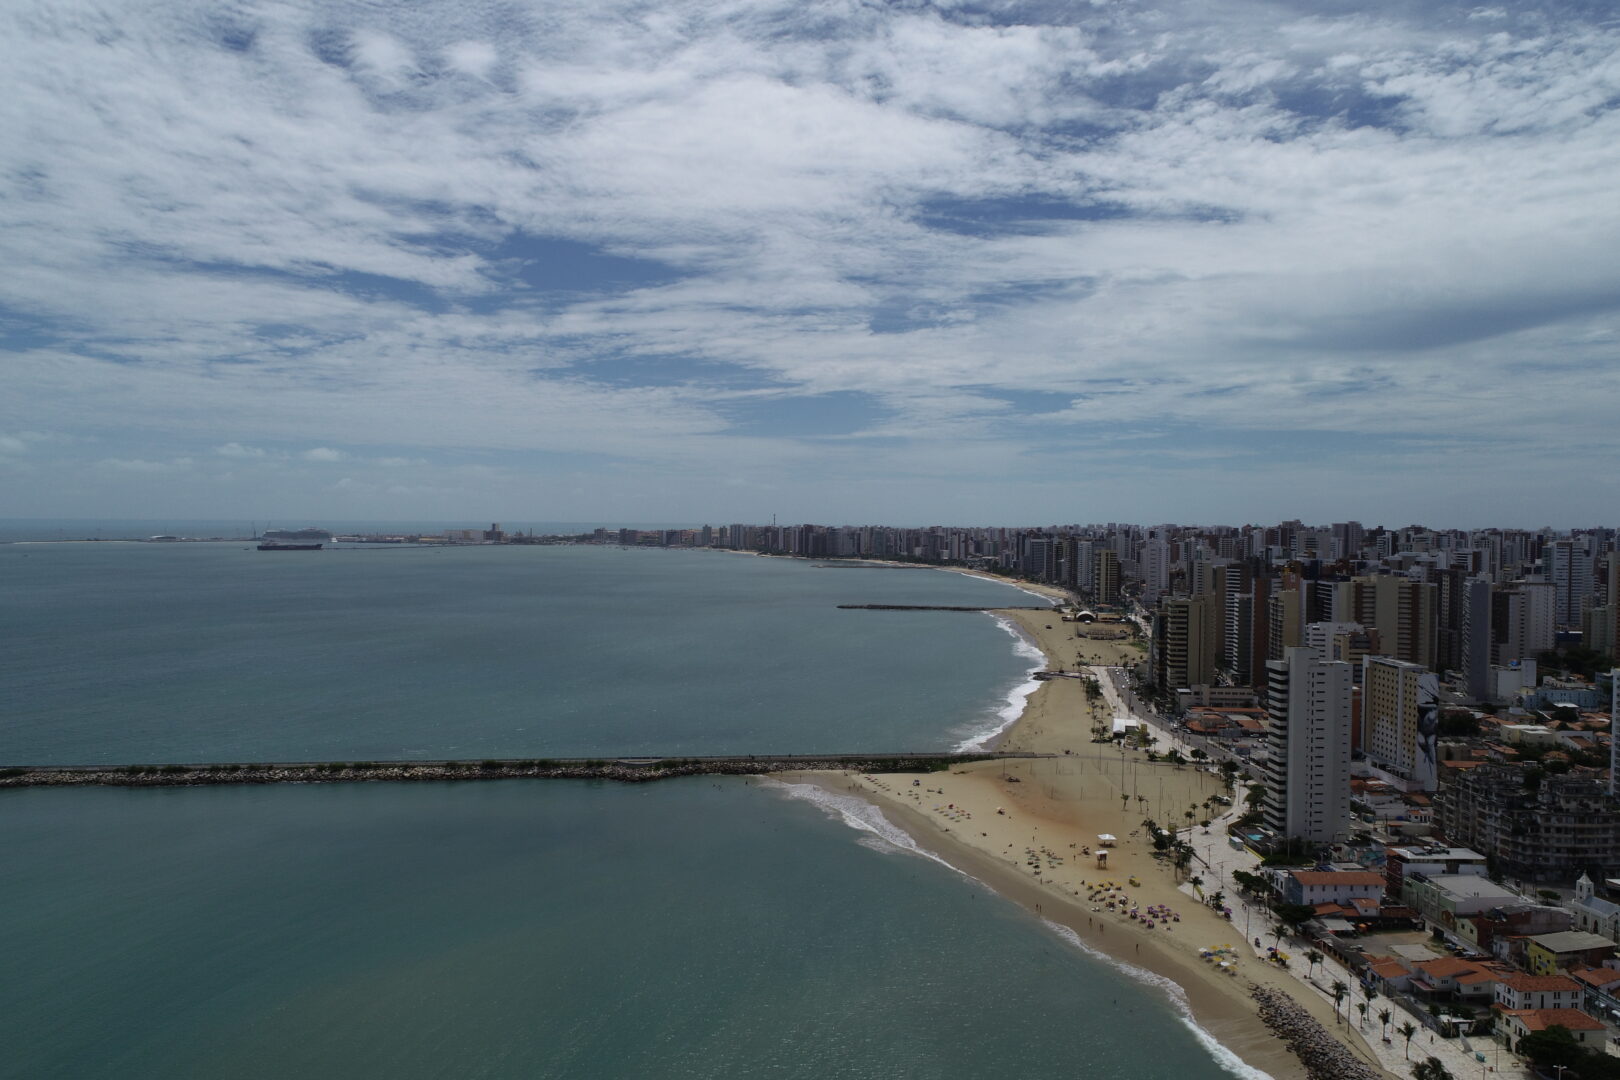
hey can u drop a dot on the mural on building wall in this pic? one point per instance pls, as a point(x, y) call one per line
point(1428, 731)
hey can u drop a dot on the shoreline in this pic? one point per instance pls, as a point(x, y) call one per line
point(1018, 828)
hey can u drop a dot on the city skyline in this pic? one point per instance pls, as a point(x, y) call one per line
point(978, 262)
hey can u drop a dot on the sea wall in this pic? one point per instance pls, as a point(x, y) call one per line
point(626, 770)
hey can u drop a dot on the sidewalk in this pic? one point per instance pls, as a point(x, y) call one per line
point(1252, 920)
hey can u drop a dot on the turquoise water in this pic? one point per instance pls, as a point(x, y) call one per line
point(126, 653)
point(528, 929)
point(514, 929)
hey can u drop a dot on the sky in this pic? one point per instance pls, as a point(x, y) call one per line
point(835, 261)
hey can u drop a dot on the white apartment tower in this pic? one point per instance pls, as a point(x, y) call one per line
point(1307, 766)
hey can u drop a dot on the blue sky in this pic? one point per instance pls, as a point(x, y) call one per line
point(969, 263)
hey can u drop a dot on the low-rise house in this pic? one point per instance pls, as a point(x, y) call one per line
point(1548, 954)
point(1483, 932)
point(1387, 975)
point(1513, 1025)
point(1431, 859)
point(1601, 989)
point(1337, 887)
point(1445, 899)
point(1457, 979)
point(1521, 991)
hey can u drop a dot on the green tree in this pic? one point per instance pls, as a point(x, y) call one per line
point(1430, 1069)
point(1407, 1030)
point(1361, 1007)
point(1312, 958)
point(1383, 1018)
point(1340, 992)
point(1295, 914)
point(1551, 1047)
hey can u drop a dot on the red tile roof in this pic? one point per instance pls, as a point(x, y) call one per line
point(1537, 983)
point(1542, 1019)
point(1338, 877)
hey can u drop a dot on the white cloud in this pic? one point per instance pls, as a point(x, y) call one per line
point(1363, 223)
point(237, 450)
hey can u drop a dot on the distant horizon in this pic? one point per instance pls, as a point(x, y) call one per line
point(589, 524)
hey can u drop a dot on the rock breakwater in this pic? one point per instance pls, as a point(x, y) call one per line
point(625, 770)
point(1324, 1056)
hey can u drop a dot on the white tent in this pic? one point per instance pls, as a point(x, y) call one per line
point(1105, 839)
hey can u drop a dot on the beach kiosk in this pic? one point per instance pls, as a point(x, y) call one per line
point(1104, 842)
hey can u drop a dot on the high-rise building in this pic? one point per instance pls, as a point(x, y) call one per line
point(1475, 647)
point(1307, 756)
point(1568, 567)
point(1521, 621)
point(1183, 641)
point(1155, 569)
point(1284, 628)
point(1040, 558)
point(1400, 721)
point(1105, 577)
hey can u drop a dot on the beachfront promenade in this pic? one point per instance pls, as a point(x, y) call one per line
point(626, 769)
point(1253, 920)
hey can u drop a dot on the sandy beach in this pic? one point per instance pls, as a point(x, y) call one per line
point(1023, 829)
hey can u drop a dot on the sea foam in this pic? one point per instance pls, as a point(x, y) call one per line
point(1178, 998)
point(884, 835)
point(1013, 707)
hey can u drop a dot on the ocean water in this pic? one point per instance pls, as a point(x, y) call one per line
point(689, 929)
point(696, 928)
point(136, 653)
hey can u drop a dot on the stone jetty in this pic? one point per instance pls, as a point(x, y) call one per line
point(1324, 1057)
point(626, 770)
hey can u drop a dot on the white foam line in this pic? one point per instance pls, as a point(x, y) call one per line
point(1018, 697)
point(858, 814)
point(1178, 998)
point(864, 817)
point(1051, 601)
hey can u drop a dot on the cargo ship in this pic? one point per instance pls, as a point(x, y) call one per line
point(293, 539)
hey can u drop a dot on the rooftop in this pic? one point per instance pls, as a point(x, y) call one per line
point(1571, 941)
point(1542, 1019)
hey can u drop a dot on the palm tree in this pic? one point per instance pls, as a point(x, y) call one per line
point(1407, 1030)
point(1361, 1007)
point(1123, 800)
point(1340, 992)
point(1383, 1018)
point(1312, 958)
point(1431, 1069)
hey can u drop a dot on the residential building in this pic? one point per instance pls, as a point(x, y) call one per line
point(1183, 643)
point(1513, 1025)
point(1443, 900)
point(1552, 831)
point(1430, 859)
point(1105, 577)
point(1400, 721)
point(1307, 765)
point(1330, 886)
point(1521, 991)
point(1549, 954)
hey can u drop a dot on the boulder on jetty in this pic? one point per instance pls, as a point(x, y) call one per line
point(1324, 1057)
point(627, 770)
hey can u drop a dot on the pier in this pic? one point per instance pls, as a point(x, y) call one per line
point(624, 769)
point(944, 607)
